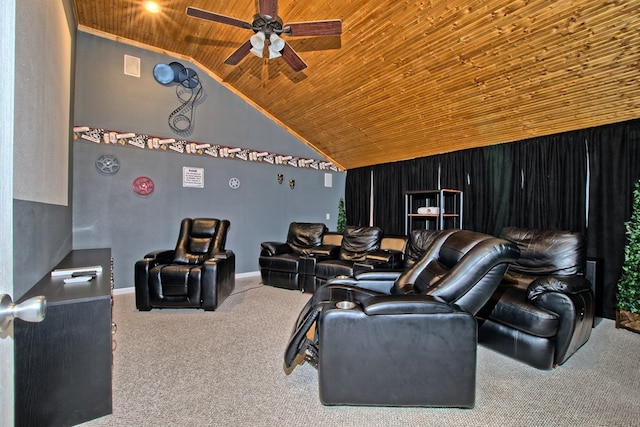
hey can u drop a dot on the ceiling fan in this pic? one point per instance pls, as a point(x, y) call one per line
point(267, 25)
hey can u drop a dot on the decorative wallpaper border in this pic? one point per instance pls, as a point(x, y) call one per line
point(181, 146)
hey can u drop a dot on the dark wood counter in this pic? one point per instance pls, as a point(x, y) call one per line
point(63, 365)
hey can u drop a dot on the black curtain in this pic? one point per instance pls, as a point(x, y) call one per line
point(543, 182)
point(388, 198)
point(462, 170)
point(494, 182)
point(614, 154)
point(553, 179)
point(420, 174)
point(357, 196)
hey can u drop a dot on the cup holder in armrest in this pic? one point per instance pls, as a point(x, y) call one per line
point(346, 305)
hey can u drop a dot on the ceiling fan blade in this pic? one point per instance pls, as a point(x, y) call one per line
point(239, 54)
point(292, 58)
point(268, 7)
point(331, 27)
point(216, 17)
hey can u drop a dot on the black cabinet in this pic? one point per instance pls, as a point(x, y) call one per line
point(63, 365)
point(433, 209)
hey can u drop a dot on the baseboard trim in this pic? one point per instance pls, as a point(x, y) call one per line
point(130, 290)
point(247, 274)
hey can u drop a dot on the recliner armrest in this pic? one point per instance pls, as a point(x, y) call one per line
point(370, 360)
point(218, 279)
point(406, 304)
point(161, 255)
point(324, 252)
point(379, 281)
point(223, 254)
point(219, 258)
point(386, 275)
point(563, 284)
point(385, 257)
point(570, 299)
point(274, 248)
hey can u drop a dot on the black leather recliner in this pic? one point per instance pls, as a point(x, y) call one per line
point(198, 273)
point(416, 343)
point(280, 263)
point(312, 254)
point(543, 311)
point(356, 244)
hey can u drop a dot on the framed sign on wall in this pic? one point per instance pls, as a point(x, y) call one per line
point(192, 177)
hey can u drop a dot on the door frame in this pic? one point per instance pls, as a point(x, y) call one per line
point(7, 123)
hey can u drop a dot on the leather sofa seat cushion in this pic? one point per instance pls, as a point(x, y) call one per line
point(508, 308)
point(288, 262)
point(358, 241)
point(175, 280)
point(305, 235)
point(547, 252)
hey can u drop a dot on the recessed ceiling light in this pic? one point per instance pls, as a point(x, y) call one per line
point(152, 6)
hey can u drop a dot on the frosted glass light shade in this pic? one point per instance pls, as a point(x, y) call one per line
point(257, 41)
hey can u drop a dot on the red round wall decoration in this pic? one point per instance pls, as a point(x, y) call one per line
point(143, 186)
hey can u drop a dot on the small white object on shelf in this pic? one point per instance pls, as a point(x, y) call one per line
point(77, 279)
point(429, 210)
point(58, 272)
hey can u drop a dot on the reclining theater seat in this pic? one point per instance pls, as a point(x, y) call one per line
point(356, 244)
point(311, 254)
point(543, 311)
point(398, 252)
point(280, 262)
point(414, 345)
point(198, 273)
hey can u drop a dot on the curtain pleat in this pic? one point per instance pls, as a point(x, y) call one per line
point(388, 196)
point(357, 196)
point(614, 153)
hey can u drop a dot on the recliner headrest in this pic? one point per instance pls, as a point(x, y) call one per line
point(199, 239)
point(419, 242)
point(545, 252)
point(357, 241)
point(305, 235)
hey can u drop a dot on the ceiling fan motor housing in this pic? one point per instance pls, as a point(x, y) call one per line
point(267, 24)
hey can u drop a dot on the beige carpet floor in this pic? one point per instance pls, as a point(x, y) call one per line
point(225, 368)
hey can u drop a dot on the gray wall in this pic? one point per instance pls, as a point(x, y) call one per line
point(106, 213)
point(41, 230)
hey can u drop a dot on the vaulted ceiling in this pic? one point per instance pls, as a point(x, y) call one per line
point(410, 78)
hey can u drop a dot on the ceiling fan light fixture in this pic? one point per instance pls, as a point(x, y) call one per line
point(257, 43)
point(274, 54)
point(276, 44)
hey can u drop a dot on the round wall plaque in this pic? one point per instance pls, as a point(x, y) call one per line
point(143, 186)
point(107, 164)
point(234, 183)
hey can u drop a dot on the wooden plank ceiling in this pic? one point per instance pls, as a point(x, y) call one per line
point(411, 78)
